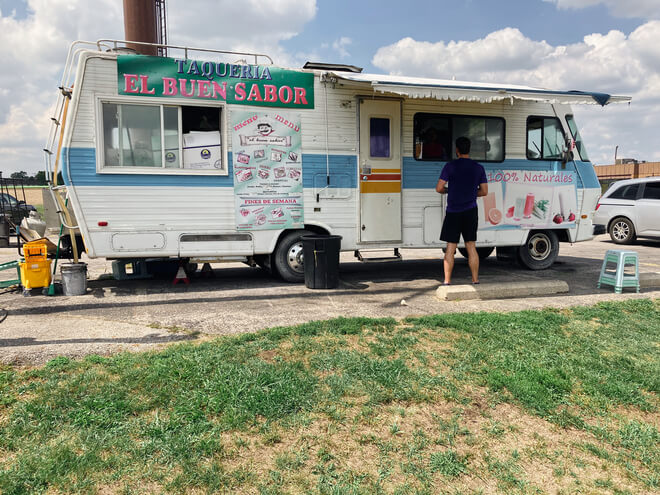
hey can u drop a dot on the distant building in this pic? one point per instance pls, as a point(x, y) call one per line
point(623, 161)
point(626, 168)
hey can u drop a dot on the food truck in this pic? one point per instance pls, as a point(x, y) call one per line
point(191, 156)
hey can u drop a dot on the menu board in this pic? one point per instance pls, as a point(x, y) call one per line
point(267, 162)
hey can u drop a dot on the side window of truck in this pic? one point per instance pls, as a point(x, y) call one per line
point(159, 137)
point(435, 135)
point(545, 138)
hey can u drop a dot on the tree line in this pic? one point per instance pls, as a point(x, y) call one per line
point(38, 179)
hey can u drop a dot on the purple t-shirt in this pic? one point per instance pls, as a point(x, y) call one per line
point(463, 177)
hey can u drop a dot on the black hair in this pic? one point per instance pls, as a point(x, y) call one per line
point(463, 144)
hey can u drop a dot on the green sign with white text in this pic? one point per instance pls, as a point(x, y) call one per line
point(259, 85)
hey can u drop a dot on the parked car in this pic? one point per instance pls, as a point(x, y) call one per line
point(630, 209)
point(14, 209)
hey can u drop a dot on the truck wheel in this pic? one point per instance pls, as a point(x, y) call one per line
point(622, 231)
point(483, 252)
point(540, 251)
point(288, 256)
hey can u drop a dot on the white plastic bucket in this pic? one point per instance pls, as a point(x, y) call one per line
point(74, 278)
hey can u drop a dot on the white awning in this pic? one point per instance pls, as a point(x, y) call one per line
point(440, 89)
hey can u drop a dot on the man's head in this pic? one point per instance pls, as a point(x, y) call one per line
point(463, 145)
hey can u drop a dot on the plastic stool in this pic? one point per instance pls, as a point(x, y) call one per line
point(139, 269)
point(618, 277)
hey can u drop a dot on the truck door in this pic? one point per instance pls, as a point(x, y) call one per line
point(380, 170)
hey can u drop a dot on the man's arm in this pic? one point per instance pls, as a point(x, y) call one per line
point(441, 186)
point(483, 189)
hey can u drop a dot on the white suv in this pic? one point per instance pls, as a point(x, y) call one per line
point(630, 208)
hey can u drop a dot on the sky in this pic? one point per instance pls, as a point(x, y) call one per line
point(610, 46)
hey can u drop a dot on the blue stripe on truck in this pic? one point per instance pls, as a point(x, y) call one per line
point(422, 174)
point(82, 161)
point(342, 168)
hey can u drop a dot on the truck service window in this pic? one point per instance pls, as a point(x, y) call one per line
point(435, 135)
point(161, 137)
point(545, 138)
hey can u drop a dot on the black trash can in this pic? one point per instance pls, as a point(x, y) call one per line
point(321, 260)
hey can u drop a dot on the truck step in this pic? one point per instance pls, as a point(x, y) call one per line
point(380, 259)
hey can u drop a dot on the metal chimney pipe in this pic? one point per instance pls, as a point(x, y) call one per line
point(140, 25)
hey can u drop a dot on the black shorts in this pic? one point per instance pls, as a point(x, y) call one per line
point(461, 222)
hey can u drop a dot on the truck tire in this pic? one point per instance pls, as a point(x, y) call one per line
point(288, 257)
point(483, 252)
point(540, 251)
point(622, 231)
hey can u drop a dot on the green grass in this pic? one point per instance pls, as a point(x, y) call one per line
point(441, 404)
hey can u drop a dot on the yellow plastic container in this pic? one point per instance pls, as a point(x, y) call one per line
point(35, 273)
point(35, 251)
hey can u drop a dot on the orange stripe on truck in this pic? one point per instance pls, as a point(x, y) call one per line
point(380, 187)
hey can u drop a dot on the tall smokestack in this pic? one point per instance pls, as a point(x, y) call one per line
point(140, 25)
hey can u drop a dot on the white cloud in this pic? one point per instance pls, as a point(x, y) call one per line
point(248, 25)
point(644, 9)
point(499, 51)
point(340, 46)
point(610, 63)
point(33, 49)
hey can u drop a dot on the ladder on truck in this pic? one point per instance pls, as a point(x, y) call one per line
point(53, 148)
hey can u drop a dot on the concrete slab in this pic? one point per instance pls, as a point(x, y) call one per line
point(506, 290)
point(137, 315)
point(649, 279)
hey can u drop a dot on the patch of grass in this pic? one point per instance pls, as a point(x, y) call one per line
point(596, 450)
point(352, 405)
point(448, 463)
point(292, 461)
point(546, 359)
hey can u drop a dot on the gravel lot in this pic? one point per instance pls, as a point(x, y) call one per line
point(138, 315)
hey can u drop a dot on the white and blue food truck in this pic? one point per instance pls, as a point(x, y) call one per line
point(192, 157)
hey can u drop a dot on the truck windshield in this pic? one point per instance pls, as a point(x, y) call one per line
point(579, 145)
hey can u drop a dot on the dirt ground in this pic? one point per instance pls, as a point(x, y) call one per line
point(138, 315)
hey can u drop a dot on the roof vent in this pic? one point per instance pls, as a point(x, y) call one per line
point(333, 67)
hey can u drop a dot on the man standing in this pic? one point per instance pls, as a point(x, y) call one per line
point(468, 181)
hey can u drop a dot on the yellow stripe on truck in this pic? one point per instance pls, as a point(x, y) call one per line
point(380, 187)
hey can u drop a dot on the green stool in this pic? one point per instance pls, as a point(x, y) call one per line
point(617, 276)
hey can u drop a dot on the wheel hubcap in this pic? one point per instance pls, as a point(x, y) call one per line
point(295, 257)
point(620, 231)
point(539, 247)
